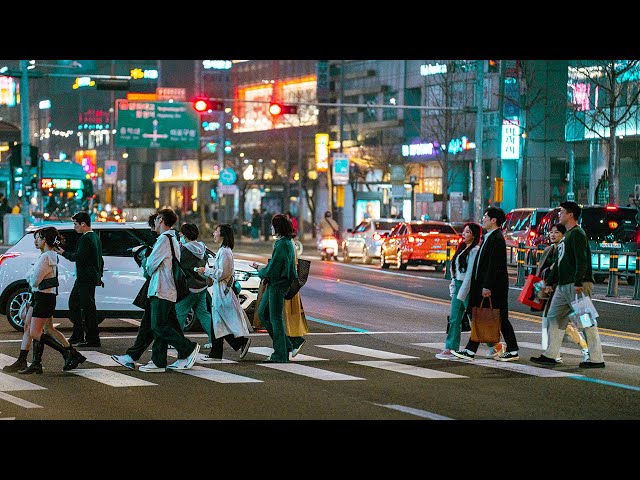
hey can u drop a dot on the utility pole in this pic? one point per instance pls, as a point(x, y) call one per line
point(477, 165)
point(25, 137)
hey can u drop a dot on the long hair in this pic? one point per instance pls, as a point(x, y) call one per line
point(282, 225)
point(462, 252)
point(226, 233)
point(51, 236)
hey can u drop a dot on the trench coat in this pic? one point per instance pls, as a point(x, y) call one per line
point(227, 315)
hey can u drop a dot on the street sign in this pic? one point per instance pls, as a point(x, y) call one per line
point(157, 125)
point(340, 168)
point(227, 176)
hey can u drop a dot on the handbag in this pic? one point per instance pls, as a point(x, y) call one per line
point(141, 299)
point(303, 274)
point(50, 282)
point(528, 293)
point(485, 323)
point(233, 285)
point(584, 313)
point(465, 325)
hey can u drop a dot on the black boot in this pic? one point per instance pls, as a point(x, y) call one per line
point(72, 358)
point(36, 363)
point(19, 364)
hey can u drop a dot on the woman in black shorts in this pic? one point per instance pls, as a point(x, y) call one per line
point(44, 302)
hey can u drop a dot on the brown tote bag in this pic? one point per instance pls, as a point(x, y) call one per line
point(485, 323)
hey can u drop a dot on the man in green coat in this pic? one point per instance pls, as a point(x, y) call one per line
point(89, 266)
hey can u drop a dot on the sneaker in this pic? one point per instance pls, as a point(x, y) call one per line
point(186, 363)
point(207, 346)
point(585, 354)
point(507, 357)
point(559, 360)
point(245, 348)
point(463, 354)
point(542, 360)
point(445, 355)
point(591, 365)
point(124, 360)
point(498, 349)
point(296, 350)
point(151, 368)
point(202, 358)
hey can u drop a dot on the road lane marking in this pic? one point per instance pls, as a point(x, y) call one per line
point(18, 401)
point(311, 372)
point(408, 369)
point(367, 352)
point(414, 411)
point(100, 358)
point(113, 379)
point(217, 375)
point(267, 351)
point(605, 382)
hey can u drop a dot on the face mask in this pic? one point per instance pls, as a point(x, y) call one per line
point(183, 240)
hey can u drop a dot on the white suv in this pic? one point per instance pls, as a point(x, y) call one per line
point(122, 277)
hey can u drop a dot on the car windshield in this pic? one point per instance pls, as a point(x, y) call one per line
point(433, 227)
point(600, 223)
point(385, 225)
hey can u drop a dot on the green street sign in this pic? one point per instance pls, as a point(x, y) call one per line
point(156, 125)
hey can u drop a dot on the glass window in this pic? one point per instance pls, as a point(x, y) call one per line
point(362, 227)
point(433, 227)
point(118, 243)
point(385, 225)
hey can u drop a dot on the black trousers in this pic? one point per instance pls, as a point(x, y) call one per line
point(82, 309)
point(507, 333)
point(218, 343)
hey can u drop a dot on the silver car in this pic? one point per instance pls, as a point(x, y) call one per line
point(365, 239)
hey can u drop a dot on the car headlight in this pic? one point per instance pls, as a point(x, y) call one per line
point(241, 276)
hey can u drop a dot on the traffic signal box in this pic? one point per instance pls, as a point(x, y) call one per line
point(202, 105)
point(276, 109)
point(15, 156)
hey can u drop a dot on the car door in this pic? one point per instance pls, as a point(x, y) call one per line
point(121, 276)
point(357, 240)
point(391, 243)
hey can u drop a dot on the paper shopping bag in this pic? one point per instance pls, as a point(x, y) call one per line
point(528, 295)
point(485, 323)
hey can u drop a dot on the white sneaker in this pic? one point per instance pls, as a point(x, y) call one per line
point(585, 354)
point(151, 368)
point(207, 345)
point(186, 363)
point(125, 361)
point(296, 351)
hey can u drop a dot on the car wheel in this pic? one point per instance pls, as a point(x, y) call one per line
point(16, 299)
point(399, 264)
point(383, 262)
point(599, 278)
point(192, 324)
point(365, 256)
point(345, 256)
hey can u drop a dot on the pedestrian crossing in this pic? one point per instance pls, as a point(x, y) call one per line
point(99, 367)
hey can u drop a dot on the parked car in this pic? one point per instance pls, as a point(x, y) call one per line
point(122, 277)
point(521, 225)
point(364, 241)
point(419, 243)
point(607, 227)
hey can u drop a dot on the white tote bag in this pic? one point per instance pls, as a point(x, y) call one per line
point(584, 312)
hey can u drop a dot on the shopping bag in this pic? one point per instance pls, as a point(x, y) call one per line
point(485, 323)
point(528, 293)
point(584, 313)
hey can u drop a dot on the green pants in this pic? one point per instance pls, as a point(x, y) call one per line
point(197, 302)
point(270, 314)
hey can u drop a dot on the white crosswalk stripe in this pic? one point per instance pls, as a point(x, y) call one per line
point(307, 371)
point(367, 352)
point(407, 369)
point(111, 378)
point(217, 375)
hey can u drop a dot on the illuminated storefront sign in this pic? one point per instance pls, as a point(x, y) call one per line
point(455, 146)
point(322, 152)
point(61, 184)
point(510, 141)
point(216, 64)
point(138, 73)
point(7, 91)
point(431, 69)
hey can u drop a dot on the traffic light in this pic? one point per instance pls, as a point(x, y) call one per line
point(276, 109)
point(202, 105)
point(15, 156)
point(493, 66)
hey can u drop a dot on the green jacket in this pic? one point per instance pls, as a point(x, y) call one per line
point(281, 268)
point(573, 260)
point(88, 258)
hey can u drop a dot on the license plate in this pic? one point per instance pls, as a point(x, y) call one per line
point(610, 245)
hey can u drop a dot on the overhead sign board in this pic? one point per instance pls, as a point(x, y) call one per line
point(340, 168)
point(157, 125)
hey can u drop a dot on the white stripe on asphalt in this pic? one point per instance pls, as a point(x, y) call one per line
point(267, 351)
point(367, 352)
point(216, 375)
point(520, 368)
point(408, 369)
point(307, 371)
point(18, 401)
point(113, 379)
point(415, 411)
point(100, 358)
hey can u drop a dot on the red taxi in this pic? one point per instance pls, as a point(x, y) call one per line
point(419, 243)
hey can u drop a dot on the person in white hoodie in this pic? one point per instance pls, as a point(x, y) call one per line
point(193, 254)
point(43, 271)
point(162, 295)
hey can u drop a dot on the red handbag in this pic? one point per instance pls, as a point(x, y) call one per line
point(528, 294)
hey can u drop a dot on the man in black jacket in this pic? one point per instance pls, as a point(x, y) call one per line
point(89, 266)
point(490, 279)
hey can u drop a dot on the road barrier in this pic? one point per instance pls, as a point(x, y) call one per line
point(447, 270)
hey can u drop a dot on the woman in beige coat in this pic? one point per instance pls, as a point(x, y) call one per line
point(228, 318)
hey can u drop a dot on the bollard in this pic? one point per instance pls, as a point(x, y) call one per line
point(447, 271)
point(636, 292)
point(520, 277)
point(612, 288)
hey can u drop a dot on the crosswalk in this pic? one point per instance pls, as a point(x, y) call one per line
point(99, 367)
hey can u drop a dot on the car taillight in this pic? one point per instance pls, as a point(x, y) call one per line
point(611, 207)
point(638, 238)
point(376, 236)
point(613, 224)
point(4, 256)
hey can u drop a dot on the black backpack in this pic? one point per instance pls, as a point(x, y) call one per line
point(180, 274)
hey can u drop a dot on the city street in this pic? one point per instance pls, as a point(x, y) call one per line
point(369, 356)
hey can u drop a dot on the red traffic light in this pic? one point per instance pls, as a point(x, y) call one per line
point(276, 109)
point(202, 105)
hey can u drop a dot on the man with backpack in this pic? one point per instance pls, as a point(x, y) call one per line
point(162, 299)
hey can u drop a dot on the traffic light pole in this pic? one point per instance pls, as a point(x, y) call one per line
point(25, 137)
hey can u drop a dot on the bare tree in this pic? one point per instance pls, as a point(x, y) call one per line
point(609, 99)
